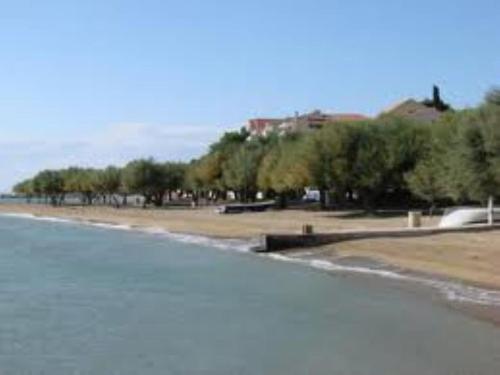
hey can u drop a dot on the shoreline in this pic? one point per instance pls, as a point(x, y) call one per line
point(480, 300)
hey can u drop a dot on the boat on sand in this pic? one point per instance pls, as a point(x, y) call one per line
point(463, 216)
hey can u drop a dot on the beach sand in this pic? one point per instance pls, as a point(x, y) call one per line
point(470, 257)
point(205, 221)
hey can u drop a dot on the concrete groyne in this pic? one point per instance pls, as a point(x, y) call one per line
point(279, 242)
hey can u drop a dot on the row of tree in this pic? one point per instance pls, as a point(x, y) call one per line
point(368, 163)
point(154, 181)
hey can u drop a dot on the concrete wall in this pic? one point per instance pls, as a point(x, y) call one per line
point(278, 242)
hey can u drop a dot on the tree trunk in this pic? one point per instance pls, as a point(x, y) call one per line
point(431, 209)
point(368, 199)
point(115, 200)
point(283, 200)
point(90, 198)
point(194, 199)
point(158, 199)
point(324, 198)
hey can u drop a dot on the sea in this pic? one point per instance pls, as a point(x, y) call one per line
point(99, 299)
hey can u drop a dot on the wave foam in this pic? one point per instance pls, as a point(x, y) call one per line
point(225, 243)
point(35, 217)
point(452, 291)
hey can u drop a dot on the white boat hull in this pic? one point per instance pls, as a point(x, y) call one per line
point(467, 216)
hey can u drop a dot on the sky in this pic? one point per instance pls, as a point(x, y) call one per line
point(94, 83)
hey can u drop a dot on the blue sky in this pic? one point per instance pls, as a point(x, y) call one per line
point(98, 82)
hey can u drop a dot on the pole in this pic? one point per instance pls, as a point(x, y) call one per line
point(490, 211)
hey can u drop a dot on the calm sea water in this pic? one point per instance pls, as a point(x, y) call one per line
point(83, 300)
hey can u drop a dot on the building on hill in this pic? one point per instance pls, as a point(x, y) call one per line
point(263, 126)
point(300, 123)
point(428, 110)
point(414, 110)
point(316, 120)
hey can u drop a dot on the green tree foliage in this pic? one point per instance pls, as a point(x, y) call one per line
point(493, 96)
point(51, 184)
point(489, 117)
point(107, 183)
point(473, 161)
point(207, 172)
point(436, 101)
point(147, 178)
point(241, 168)
point(425, 182)
point(467, 157)
point(371, 164)
point(175, 176)
point(25, 188)
point(330, 156)
point(108, 180)
point(430, 178)
point(282, 169)
point(81, 181)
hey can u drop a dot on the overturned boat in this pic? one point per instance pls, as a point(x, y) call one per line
point(459, 217)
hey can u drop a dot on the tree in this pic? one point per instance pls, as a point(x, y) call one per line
point(80, 181)
point(371, 165)
point(229, 140)
point(425, 181)
point(206, 174)
point(51, 184)
point(493, 96)
point(436, 101)
point(282, 169)
point(467, 169)
point(241, 168)
point(146, 177)
point(108, 182)
point(25, 188)
point(489, 124)
point(330, 156)
point(175, 175)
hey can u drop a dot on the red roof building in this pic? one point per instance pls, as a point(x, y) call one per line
point(298, 123)
point(262, 126)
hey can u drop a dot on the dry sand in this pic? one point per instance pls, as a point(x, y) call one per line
point(472, 257)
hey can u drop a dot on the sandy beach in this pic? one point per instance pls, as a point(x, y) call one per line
point(470, 257)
